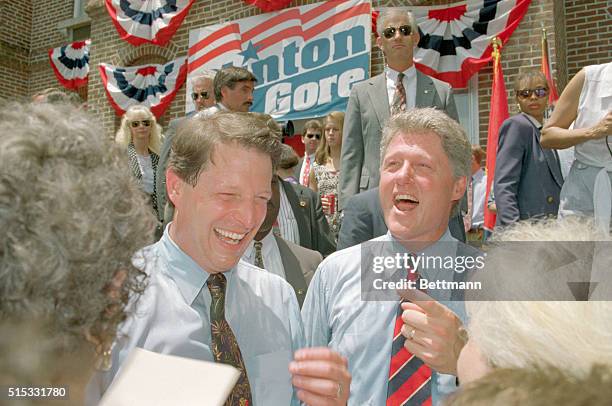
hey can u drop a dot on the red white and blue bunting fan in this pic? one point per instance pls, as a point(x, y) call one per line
point(142, 21)
point(154, 86)
point(70, 64)
point(456, 39)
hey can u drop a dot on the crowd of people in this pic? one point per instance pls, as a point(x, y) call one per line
point(215, 241)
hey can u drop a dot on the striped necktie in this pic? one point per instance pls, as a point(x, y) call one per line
point(399, 98)
point(258, 254)
point(409, 377)
point(224, 345)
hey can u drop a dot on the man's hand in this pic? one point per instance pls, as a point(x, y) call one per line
point(433, 332)
point(320, 376)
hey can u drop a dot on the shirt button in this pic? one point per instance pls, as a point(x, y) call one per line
point(300, 291)
point(550, 199)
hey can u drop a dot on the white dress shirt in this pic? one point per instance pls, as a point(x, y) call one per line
point(409, 82)
point(479, 189)
point(286, 219)
point(303, 168)
point(270, 254)
point(173, 317)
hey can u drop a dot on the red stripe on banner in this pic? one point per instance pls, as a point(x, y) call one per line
point(118, 110)
point(413, 383)
point(292, 14)
point(316, 29)
point(161, 37)
point(317, 11)
point(459, 79)
point(206, 41)
point(236, 44)
point(448, 14)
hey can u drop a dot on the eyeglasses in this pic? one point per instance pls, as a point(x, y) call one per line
point(526, 93)
point(310, 136)
point(196, 96)
point(135, 124)
point(389, 32)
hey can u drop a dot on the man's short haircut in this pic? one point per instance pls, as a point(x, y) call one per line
point(288, 158)
point(229, 77)
point(194, 144)
point(478, 153)
point(393, 12)
point(527, 76)
point(536, 387)
point(312, 125)
point(204, 75)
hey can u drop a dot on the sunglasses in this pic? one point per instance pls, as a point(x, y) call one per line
point(196, 96)
point(389, 32)
point(310, 136)
point(135, 124)
point(526, 93)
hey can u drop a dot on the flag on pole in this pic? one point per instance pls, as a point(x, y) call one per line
point(497, 115)
point(553, 96)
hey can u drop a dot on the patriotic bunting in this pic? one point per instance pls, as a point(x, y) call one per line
point(70, 64)
point(456, 40)
point(153, 86)
point(154, 21)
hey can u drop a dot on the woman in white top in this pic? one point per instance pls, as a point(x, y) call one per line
point(587, 102)
point(141, 135)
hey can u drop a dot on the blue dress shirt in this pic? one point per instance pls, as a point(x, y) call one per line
point(335, 315)
point(173, 317)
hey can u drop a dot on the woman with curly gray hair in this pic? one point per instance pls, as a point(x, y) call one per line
point(72, 217)
point(140, 134)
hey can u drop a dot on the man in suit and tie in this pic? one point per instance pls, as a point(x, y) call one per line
point(202, 94)
point(271, 252)
point(313, 131)
point(301, 219)
point(528, 177)
point(372, 101)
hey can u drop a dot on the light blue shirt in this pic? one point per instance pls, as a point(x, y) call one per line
point(479, 190)
point(173, 317)
point(335, 315)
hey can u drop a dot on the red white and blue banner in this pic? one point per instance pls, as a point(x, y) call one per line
point(456, 39)
point(154, 86)
point(142, 21)
point(70, 64)
point(306, 58)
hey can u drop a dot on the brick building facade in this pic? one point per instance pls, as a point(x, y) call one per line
point(579, 34)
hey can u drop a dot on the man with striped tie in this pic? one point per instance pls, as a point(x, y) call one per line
point(400, 351)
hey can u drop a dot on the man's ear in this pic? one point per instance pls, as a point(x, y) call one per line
point(379, 42)
point(416, 37)
point(459, 188)
point(174, 186)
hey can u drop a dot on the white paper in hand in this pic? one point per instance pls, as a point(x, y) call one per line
point(151, 379)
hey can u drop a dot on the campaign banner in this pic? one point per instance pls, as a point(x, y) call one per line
point(306, 59)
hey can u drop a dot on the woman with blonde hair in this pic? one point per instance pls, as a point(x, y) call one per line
point(142, 136)
point(326, 168)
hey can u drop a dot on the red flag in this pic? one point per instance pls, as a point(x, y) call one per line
point(553, 96)
point(497, 115)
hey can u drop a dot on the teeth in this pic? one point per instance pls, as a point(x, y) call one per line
point(406, 197)
point(232, 236)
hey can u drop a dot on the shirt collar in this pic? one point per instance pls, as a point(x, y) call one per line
point(409, 73)
point(250, 251)
point(186, 273)
point(439, 246)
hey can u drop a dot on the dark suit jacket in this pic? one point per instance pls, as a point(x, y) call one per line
point(366, 114)
point(299, 264)
point(166, 209)
point(312, 224)
point(528, 177)
point(363, 220)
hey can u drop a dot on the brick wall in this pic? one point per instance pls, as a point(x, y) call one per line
point(15, 33)
point(588, 29)
point(46, 14)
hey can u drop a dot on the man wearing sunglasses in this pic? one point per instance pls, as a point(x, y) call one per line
point(202, 95)
point(310, 138)
point(373, 101)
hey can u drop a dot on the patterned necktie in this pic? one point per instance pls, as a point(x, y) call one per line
point(258, 256)
point(224, 345)
point(409, 377)
point(399, 98)
point(306, 171)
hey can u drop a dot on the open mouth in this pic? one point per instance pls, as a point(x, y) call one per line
point(405, 201)
point(228, 236)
